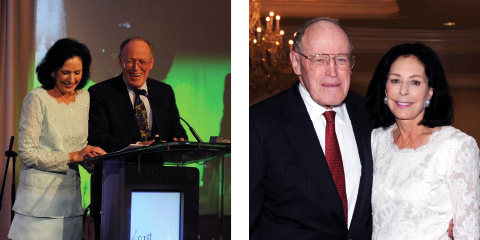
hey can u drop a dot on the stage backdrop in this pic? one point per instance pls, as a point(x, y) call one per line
point(192, 54)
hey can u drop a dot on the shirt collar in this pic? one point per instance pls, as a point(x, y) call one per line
point(316, 110)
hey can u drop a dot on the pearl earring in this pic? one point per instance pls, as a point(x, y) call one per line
point(427, 103)
point(53, 75)
point(385, 100)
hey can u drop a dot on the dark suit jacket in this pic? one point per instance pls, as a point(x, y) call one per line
point(112, 124)
point(292, 193)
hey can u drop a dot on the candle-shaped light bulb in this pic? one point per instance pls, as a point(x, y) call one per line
point(254, 40)
point(268, 23)
point(281, 36)
point(278, 23)
point(271, 23)
point(259, 34)
point(291, 45)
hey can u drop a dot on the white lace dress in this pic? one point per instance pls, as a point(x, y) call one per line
point(417, 192)
point(48, 203)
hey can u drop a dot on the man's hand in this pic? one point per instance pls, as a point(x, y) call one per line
point(450, 230)
point(176, 139)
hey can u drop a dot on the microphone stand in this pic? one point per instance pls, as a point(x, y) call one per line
point(9, 154)
point(192, 131)
point(144, 93)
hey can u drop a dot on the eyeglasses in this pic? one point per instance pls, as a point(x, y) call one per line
point(319, 62)
point(132, 63)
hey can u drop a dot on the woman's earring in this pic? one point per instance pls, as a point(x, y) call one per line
point(427, 103)
point(53, 75)
point(385, 100)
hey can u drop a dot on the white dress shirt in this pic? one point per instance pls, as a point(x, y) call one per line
point(346, 140)
point(131, 93)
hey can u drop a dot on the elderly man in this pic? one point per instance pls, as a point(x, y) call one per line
point(310, 157)
point(130, 108)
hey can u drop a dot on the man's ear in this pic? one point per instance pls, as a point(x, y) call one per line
point(151, 62)
point(295, 63)
point(120, 61)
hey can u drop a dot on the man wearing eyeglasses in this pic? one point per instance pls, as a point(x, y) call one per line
point(114, 103)
point(310, 157)
point(130, 108)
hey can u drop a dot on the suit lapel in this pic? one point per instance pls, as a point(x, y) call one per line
point(302, 135)
point(124, 106)
point(158, 110)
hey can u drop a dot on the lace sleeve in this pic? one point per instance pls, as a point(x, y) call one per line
point(29, 135)
point(464, 190)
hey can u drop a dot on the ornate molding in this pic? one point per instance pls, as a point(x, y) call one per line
point(443, 41)
point(349, 9)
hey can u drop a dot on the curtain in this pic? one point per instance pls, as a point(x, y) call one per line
point(16, 67)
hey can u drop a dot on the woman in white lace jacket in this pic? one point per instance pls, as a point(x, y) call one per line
point(52, 141)
point(426, 172)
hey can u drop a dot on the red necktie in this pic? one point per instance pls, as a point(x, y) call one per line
point(334, 159)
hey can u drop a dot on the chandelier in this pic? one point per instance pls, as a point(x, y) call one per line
point(270, 67)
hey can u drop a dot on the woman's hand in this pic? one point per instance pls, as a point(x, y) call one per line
point(87, 152)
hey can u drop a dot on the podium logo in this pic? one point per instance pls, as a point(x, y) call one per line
point(146, 237)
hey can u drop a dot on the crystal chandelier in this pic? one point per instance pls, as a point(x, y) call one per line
point(270, 67)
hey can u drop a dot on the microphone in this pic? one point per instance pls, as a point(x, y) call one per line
point(194, 133)
point(192, 130)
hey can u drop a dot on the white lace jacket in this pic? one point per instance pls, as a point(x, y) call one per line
point(49, 130)
point(417, 192)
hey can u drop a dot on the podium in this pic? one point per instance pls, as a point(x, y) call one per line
point(153, 192)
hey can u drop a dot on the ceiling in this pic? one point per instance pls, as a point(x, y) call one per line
point(413, 14)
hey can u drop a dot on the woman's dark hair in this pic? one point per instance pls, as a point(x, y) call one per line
point(440, 111)
point(56, 56)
